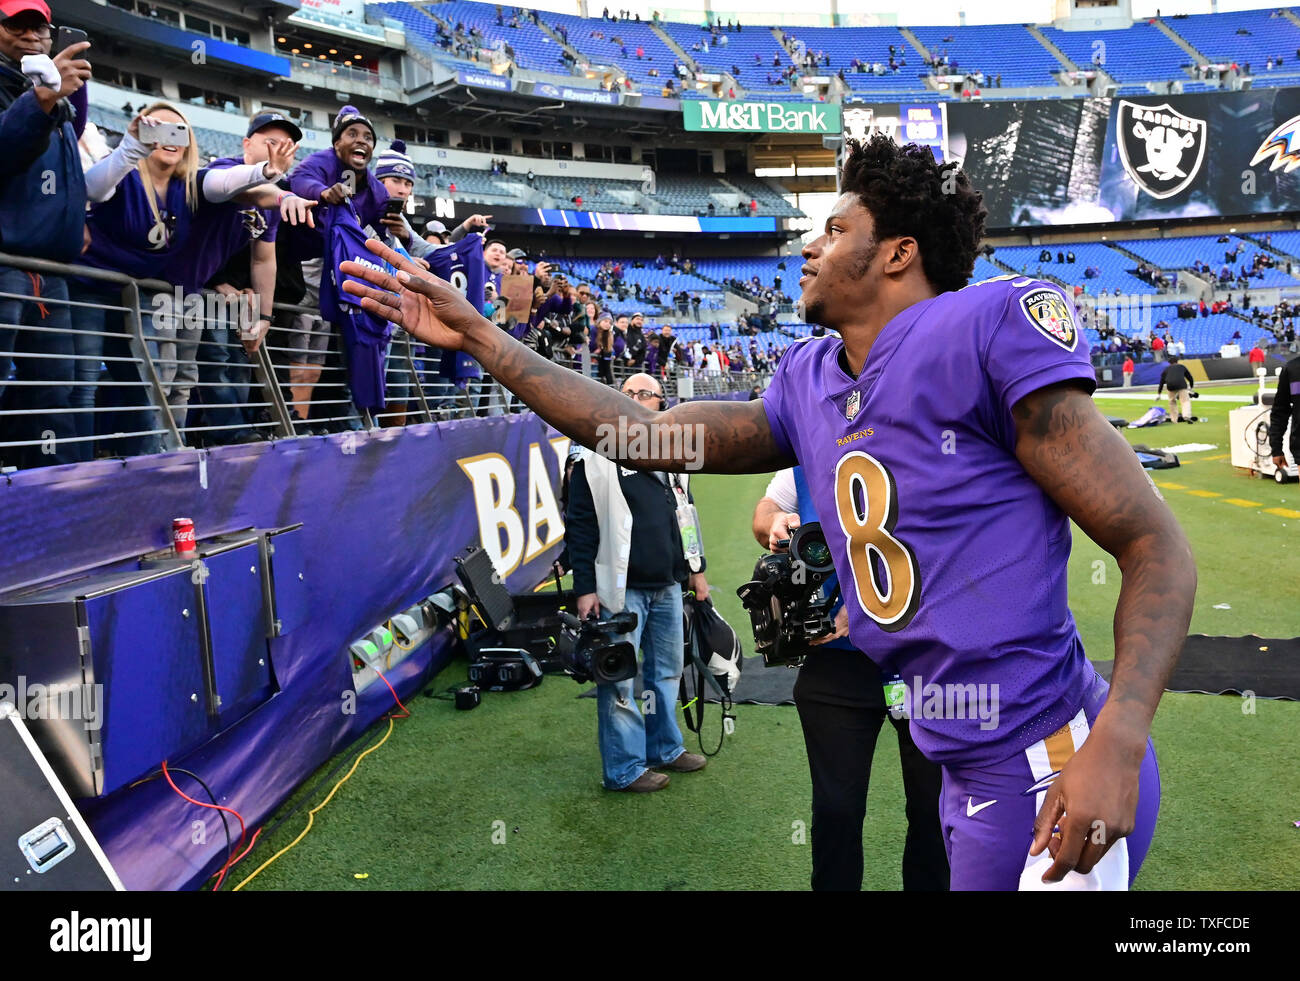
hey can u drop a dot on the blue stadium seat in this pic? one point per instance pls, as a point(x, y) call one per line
point(1140, 53)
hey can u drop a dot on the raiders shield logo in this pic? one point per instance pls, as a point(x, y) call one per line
point(1047, 311)
point(852, 405)
point(1161, 149)
point(859, 123)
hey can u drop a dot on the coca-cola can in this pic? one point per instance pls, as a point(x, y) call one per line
point(183, 536)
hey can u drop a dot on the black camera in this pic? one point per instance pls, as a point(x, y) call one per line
point(505, 669)
point(787, 601)
point(589, 650)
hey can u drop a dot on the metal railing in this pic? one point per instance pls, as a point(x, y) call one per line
point(121, 367)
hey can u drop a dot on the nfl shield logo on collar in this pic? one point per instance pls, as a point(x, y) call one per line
point(851, 407)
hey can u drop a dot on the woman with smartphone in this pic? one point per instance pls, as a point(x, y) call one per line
point(143, 199)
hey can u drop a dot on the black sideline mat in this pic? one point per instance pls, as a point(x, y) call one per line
point(1231, 665)
point(1209, 665)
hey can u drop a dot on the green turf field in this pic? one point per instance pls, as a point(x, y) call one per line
point(509, 796)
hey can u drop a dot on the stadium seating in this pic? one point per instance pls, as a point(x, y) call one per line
point(1140, 53)
point(418, 24)
point(1114, 266)
point(870, 45)
point(603, 51)
point(1288, 242)
point(739, 51)
point(1006, 49)
point(1216, 36)
point(1180, 253)
point(648, 276)
point(533, 47)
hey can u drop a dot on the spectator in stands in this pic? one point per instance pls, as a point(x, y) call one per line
point(396, 171)
point(231, 250)
point(603, 342)
point(498, 259)
point(669, 349)
point(332, 176)
point(435, 233)
point(1127, 371)
point(41, 122)
point(634, 350)
point(145, 197)
point(1256, 356)
point(1158, 347)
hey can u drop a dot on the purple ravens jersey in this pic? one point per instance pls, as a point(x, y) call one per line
point(461, 264)
point(217, 232)
point(951, 559)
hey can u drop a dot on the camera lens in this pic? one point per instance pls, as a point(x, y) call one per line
point(816, 553)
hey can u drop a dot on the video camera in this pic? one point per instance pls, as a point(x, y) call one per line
point(589, 650)
point(528, 636)
point(787, 603)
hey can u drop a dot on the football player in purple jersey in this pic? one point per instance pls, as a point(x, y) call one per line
point(948, 436)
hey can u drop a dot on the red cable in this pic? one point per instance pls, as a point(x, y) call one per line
point(406, 713)
point(215, 807)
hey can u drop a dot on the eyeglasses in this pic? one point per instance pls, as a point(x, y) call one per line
point(644, 395)
point(18, 27)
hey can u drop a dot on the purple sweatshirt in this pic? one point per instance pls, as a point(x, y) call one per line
point(312, 178)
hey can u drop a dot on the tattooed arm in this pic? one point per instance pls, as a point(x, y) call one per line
point(1092, 473)
point(736, 436)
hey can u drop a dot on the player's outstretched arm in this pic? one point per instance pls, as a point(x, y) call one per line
point(719, 437)
point(1092, 473)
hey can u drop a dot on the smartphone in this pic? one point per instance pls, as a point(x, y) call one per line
point(393, 207)
point(66, 36)
point(165, 134)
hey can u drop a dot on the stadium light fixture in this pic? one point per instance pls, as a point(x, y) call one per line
point(334, 51)
point(279, 40)
point(307, 45)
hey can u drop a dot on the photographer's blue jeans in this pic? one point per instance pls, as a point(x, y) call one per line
point(630, 742)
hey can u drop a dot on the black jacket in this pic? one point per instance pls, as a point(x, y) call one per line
point(1286, 407)
point(655, 559)
point(1176, 377)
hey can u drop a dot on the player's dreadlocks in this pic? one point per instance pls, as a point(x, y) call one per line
point(909, 193)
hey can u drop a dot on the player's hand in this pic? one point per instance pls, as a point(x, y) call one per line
point(841, 628)
point(698, 585)
point(1280, 462)
point(428, 308)
point(1093, 802)
point(783, 526)
point(297, 211)
point(588, 606)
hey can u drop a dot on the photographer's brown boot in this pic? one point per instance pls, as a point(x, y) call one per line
point(647, 783)
point(686, 763)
